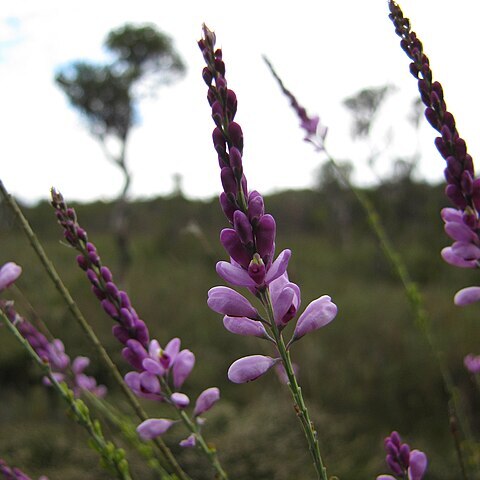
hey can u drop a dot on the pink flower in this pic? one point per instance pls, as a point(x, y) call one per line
point(8, 274)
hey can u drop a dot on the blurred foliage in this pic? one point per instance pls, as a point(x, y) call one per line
point(367, 373)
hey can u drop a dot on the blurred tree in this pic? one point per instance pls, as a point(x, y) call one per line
point(108, 95)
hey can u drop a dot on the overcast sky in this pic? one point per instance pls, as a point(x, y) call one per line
point(324, 51)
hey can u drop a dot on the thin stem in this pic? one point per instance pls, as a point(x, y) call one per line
point(113, 457)
point(77, 314)
point(210, 452)
point(415, 299)
point(299, 403)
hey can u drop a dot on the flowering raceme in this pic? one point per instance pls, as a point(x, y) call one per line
point(462, 223)
point(250, 244)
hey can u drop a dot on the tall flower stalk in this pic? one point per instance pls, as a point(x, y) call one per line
point(159, 373)
point(251, 247)
point(315, 133)
point(462, 223)
point(167, 458)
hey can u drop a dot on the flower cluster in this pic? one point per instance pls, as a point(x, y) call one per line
point(52, 352)
point(14, 473)
point(462, 223)
point(403, 462)
point(250, 242)
point(154, 367)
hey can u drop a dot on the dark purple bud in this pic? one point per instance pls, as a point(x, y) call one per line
point(91, 247)
point(466, 183)
point(404, 454)
point(141, 331)
point(227, 206)
point(446, 134)
point(217, 113)
point(234, 247)
point(236, 136)
point(112, 290)
point(231, 104)
point(99, 293)
point(207, 76)
point(394, 466)
point(126, 318)
point(94, 258)
point(110, 309)
point(468, 164)
point(432, 117)
point(460, 148)
point(82, 262)
point(121, 334)
point(106, 274)
point(256, 270)
point(449, 121)
point(81, 233)
point(242, 226)
point(228, 181)
point(124, 299)
point(92, 276)
point(236, 162)
point(455, 195)
point(219, 67)
point(454, 166)
point(255, 207)
point(442, 147)
point(265, 237)
point(218, 138)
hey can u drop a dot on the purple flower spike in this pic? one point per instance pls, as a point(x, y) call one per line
point(153, 427)
point(182, 367)
point(318, 314)
point(247, 369)
point(466, 296)
point(189, 442)
point(226, 301)
point(244, 326)
point(9, 274)
point(206, 400)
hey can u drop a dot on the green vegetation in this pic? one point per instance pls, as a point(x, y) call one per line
point(367, 373)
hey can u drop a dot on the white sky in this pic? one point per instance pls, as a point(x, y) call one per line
point(324, 51)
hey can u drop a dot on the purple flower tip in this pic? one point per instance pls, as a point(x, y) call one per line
point(206, 400)
point(8, 274)
point(318, 314)
point(466, 296)
point(153, 427)
point(189, 442)
point(247, 369)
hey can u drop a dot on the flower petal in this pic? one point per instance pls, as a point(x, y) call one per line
point(318, 313)
point(466, 296)
point(234, 275)
point(278, 267)
point(250, 368)
point(226, 301)
point(206, 400)
point(244, 326)
point(153, 427)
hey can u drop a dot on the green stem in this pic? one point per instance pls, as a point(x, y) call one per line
point(416, 303)
point(210, 452)
point(112, 457)
point(299, 403)
point(77, 314)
